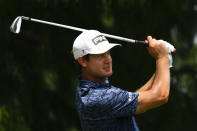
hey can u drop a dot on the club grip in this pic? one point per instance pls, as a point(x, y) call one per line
point(141, 43)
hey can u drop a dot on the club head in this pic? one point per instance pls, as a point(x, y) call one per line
point(16, 25)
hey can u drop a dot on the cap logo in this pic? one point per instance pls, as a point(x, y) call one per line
point(99, 39)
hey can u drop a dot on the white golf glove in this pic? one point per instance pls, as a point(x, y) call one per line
point(170, 50)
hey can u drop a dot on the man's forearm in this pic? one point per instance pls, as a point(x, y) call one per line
point(161, 84)
point(148, 84)
point(158, 93)
point(162, 72)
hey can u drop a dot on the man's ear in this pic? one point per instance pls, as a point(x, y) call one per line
point(82, 61)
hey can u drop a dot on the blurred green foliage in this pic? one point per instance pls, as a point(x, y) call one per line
point(9, 123)
point(38, 74)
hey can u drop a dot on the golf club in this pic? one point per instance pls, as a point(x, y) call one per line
point(16, 26)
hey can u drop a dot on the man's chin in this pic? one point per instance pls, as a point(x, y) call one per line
point(109, 74)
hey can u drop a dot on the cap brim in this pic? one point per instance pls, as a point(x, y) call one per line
point(102, 48)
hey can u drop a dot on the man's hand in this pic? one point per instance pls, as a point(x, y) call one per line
point(171, 50)
point(156, 48)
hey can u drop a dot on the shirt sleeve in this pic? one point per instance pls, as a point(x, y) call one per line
point(125, 104)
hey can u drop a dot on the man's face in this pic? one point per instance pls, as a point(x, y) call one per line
point(99, 65)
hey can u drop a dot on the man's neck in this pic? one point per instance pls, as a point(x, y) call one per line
point(93, 78)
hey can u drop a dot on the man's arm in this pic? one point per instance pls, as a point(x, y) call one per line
point(148, 84)
point(157, 89)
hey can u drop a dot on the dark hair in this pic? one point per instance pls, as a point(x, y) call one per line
point(78, 66)
point(86, 57)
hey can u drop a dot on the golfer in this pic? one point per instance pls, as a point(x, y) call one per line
point(103, 107)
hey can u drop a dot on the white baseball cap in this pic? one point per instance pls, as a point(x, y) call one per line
point(91, 42)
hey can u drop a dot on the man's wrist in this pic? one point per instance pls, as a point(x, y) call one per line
point(163, 61)
point(162, 58)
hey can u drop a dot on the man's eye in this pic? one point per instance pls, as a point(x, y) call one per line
point(101, 56)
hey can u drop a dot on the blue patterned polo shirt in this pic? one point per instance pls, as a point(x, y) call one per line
point(103, 107)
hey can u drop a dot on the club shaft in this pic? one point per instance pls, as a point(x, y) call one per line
point(52, 23)
point(119, 38)
point(80, 29)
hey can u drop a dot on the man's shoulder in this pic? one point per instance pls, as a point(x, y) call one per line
point(101, 97)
